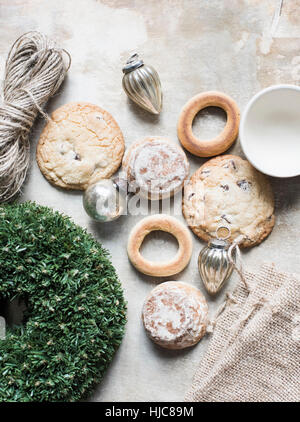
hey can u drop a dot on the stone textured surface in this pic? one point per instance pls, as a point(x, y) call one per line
point(233, 46)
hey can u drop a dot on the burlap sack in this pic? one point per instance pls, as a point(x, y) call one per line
point(254, 353)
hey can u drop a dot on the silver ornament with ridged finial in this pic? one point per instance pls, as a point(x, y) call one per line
point(142, 84)
point(214, 264)
point(103, 201)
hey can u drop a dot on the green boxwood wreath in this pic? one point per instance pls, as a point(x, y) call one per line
point(75, 313)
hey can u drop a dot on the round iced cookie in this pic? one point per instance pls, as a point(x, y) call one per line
point(156, 167)
point(228, 190)
point(81, 144)
point(175, 315)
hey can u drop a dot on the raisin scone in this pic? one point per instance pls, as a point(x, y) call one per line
point(175, 315)
point(82, 144)
point(228, 190)
point(156, 167)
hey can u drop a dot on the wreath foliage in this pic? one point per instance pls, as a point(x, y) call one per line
point(75, 313)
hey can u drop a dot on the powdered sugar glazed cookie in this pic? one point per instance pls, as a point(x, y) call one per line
point(156, 166)
point(175, 315)
point(81, 145)
point(228, 191)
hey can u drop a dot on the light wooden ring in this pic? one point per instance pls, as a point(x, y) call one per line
point(167, 224)
point(219, 144)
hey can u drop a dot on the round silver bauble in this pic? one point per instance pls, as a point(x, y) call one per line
point(103, 202)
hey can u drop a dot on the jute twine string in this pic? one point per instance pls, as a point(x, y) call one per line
point(237, 262)
point(234, 256)
point(34, 71)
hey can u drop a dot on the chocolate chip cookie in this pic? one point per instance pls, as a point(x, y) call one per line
point(80, 145)
point(228, 191)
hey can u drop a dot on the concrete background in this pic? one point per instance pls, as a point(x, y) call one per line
point(232, 46)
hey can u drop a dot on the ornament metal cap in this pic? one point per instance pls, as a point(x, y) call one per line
point(132, 63)
point(218, 244)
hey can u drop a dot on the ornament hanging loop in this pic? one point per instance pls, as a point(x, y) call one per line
point(223, 233)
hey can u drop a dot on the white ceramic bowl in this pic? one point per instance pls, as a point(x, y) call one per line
point(270, 131)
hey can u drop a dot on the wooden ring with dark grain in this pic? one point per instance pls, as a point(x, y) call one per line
point(219, 144)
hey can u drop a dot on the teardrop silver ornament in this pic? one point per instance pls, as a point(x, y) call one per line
point(214, 265)
point(142, 84)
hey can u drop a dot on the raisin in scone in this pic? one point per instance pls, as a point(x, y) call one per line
point(82, 144)
point(228, 190)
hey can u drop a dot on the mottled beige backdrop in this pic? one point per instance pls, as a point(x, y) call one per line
point(196, 45)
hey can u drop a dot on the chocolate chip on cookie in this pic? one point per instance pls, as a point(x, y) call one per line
point(244, 185)
point(225, 218)
point(225, 187)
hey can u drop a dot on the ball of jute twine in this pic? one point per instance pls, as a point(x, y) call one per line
point(34, 71)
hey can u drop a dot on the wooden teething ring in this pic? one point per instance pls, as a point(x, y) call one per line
point(210, 147)
point(170, 225)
